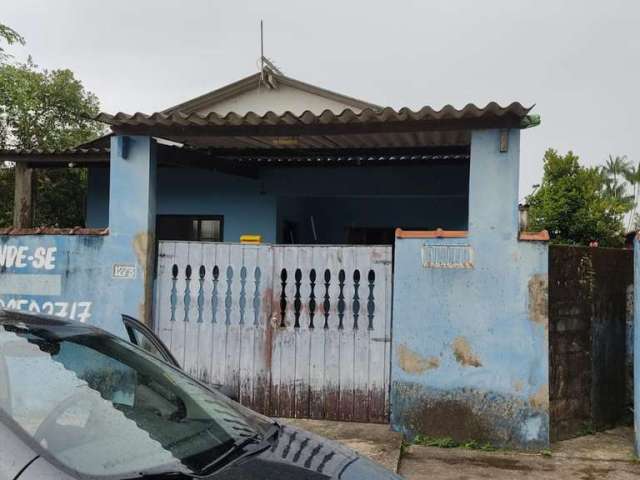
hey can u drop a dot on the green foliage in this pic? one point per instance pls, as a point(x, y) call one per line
point(50, 110)
point(577, 204)
point(6, 195)
point(44, 109)
point(60, 197)
point(10, 36)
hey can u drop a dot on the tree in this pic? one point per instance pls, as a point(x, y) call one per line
point(47, 110)
point(578, 205)
point(617, 171)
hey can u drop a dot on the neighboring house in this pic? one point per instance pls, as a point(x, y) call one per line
point(361, 218)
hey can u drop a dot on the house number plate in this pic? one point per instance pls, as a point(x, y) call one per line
point(123, 271)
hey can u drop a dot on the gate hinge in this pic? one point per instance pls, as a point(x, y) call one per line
point(381, 339)
point(382, 262)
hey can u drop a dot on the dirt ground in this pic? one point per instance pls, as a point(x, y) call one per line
point(603, 456)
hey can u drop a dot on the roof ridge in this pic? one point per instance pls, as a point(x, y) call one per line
point(245, 84)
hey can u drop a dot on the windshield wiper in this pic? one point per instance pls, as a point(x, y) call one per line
point(235, 453)
point(170, 474)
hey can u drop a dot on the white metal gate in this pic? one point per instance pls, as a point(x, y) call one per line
point(297, 331)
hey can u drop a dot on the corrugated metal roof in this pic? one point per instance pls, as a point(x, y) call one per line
point(43, 158)
point(348, 129)
point(339, 135)
point(512, 114)
point(53, 231)
point(69, 151)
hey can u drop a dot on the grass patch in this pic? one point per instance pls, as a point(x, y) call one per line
point(448, 442)
point(546, 452)
point(586, 429)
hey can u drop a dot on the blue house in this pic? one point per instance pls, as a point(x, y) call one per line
point(324, 256)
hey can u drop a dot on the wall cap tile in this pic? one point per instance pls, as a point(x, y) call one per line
point(541, 236)
point(438, 233)
point(53, 231)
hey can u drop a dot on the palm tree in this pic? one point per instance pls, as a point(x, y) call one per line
point(616, 167)
point(632, 175)
point(618, 173)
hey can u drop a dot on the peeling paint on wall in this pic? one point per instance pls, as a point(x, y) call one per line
point(464, 355)
point(540, 399)
point(143, 247)
point(468, 414)
point(413, 362)
point(539, 300)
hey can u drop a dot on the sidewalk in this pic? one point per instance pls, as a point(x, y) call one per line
point(607, 455)
point(420, 463)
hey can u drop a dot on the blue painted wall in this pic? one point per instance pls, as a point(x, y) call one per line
point(470, 345)
point(245, 209)
point(636, 345)
point(81, 266)
point(72, 276)
point(412, 197)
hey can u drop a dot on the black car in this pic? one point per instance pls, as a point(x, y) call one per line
point(77, 402)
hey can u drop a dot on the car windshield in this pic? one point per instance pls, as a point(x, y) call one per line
point(103, 407)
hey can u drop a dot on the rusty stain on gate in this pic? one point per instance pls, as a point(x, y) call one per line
point(296, 331)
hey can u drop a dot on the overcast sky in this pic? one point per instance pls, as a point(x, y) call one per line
point(577, 60)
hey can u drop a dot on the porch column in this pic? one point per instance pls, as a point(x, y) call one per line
point(23, 196)
point(132, 218)
point(493, 185)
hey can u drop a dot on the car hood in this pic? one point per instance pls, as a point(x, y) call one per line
point(300, 454)
point(296, 454)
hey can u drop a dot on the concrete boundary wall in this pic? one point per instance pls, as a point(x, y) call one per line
point(470, 331)
point(92, 278)
point(77, 281)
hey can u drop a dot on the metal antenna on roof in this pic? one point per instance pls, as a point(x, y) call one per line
point(262, 49)
point(267, 66)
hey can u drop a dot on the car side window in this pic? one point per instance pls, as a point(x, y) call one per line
point(141, 340)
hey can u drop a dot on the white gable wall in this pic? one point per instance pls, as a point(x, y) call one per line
point(279, 100)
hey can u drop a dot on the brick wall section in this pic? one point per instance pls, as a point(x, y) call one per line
point(587, 322)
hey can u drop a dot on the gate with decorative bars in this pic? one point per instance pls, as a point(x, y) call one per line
point(296, 331)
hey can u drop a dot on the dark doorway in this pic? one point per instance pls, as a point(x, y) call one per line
point(200, 228)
